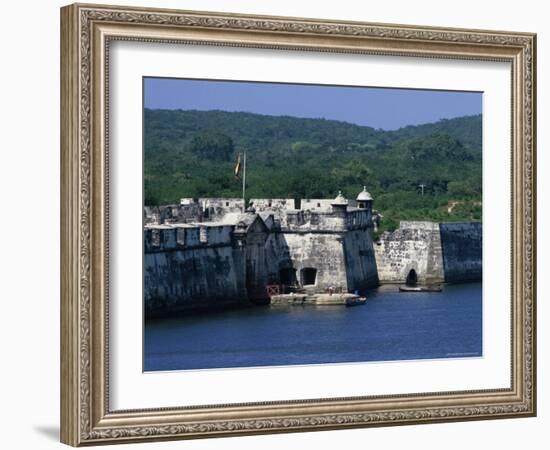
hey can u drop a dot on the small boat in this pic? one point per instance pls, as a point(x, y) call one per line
point(355, 301)
point(437, 288)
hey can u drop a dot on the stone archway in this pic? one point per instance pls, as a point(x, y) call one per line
point(412, 278)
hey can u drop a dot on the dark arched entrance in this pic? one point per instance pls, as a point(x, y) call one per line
point(412, 278)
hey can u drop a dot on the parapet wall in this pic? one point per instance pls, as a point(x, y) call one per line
point(183, 213)
point(192, 210)
point(216, 208)
point(316, 204)
point(321, 204)
point(272, 204)
point(158, 238)
point(462, 245)
point(325, 221)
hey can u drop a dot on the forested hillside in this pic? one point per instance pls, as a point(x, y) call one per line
point(193, 154)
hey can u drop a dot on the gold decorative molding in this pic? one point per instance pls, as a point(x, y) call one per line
point(87, 32)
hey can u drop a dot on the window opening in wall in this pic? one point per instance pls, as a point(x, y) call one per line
point(309, 276)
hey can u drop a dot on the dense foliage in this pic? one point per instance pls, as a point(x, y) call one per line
point(425, 172)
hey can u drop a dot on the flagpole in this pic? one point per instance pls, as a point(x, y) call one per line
point(244, 182)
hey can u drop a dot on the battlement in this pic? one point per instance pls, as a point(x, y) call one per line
point(170, 236)
point(272, 204)
point(317, 220)
point(315, 215)
point(418, 225)
point(181, 236)
point(182, 213)
point(316, 204)
point(291, 214)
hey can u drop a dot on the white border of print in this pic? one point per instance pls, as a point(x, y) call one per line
point(130, 388)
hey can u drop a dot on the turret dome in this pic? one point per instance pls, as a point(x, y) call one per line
point(339, 200)
point(364, 196)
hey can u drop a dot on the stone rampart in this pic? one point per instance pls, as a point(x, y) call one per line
point(450, 252)
point(413, 249)
point(193, 279)
point(361, 269)
point(462, 245)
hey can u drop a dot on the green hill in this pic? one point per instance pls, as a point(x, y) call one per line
point(193, 153)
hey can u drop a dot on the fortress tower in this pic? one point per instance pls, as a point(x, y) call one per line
point(364, 199)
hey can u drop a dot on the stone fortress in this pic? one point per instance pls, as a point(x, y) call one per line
point(214, 252)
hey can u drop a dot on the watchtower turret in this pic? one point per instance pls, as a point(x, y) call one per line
point(364, 199)
point(339, 205)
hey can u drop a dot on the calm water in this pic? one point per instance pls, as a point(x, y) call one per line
point(390, 326)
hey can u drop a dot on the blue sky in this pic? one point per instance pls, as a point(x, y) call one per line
point(376, 107)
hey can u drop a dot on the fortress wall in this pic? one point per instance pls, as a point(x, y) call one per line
point(218, 234)
point(300, 220)
point(462, 249)
point(183, 213)
point(191, 267)
point(360, 260)
point(159, 238)
point(324, 252)
point(191, 279)
point(277, 256)
point(228, 204)
point(359, 218)
point(316, 204)
point(275, 207)
point(192, 237)
point(272, 204)
point(170, 237)
point(414, 245)
point(216, 208)
point(255, 276)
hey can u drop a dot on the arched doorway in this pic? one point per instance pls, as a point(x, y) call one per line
point(412, 278)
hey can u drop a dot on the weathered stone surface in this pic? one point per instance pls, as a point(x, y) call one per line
point(448, 252)
point(462, 247)
point(361, 269)
point(413, 246)
point(233, 257)
point(182, 279)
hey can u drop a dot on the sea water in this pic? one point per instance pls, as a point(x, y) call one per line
point(390, 326)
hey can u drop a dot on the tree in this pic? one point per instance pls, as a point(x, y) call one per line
point(212, 145)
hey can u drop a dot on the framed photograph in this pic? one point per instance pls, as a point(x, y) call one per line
point(276, 224)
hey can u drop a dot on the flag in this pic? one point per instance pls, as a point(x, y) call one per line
point(238, 167)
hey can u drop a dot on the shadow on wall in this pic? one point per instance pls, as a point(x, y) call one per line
point(462, 249)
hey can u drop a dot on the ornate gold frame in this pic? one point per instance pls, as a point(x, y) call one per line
point(86, 31)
